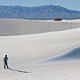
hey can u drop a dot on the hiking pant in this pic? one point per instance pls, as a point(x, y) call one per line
point(5, 64)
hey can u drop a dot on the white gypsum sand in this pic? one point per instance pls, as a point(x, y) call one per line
point(9, 27)
point(26, 49)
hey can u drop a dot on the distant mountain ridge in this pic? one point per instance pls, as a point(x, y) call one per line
point(38, 13)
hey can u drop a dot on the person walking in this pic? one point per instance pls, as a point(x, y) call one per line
point(5, 62)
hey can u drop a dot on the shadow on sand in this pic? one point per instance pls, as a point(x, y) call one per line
point(74, 54)
point(18, 70)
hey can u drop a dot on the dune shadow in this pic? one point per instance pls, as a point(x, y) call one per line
point(74, 54)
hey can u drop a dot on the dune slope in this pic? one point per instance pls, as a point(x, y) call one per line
point(10, 27)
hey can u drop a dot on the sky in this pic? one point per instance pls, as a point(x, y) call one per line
point(70, 4)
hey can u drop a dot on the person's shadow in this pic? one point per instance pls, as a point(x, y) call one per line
point(18, 70)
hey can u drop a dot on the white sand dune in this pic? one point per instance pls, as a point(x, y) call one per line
point(72, 55)
point(10, 27)
point(24, 50)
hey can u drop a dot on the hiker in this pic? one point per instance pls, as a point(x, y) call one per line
point(5, 62)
